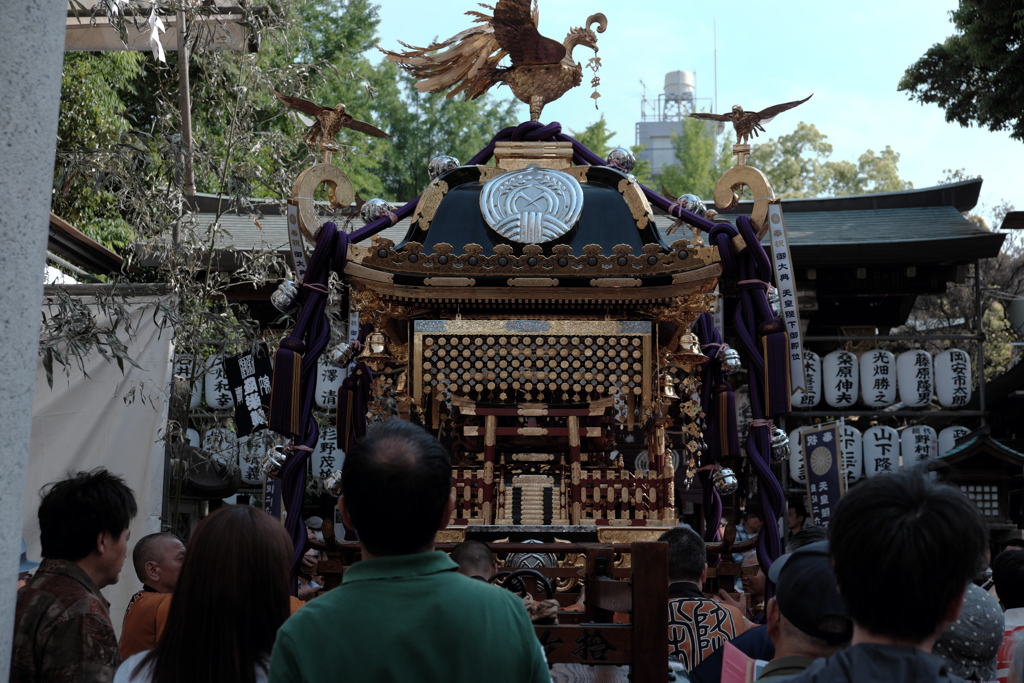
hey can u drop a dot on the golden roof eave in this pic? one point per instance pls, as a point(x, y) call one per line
point(532, 262)
point(600, 291)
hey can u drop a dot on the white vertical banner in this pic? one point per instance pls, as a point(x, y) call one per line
point(785, 281)
point(298, 249)
point(353, 334)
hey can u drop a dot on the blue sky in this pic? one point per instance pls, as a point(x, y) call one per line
point(850, 55)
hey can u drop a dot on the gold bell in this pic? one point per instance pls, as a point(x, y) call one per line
point(374, 350)
point(668, 386)
point(375, 346)
point(689, 356)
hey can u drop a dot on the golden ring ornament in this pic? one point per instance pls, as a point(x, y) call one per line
point(726, 197)
point(821, 461)
point(339, 192)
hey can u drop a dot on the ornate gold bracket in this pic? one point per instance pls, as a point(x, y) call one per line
point(339, 192)
point(727, 187)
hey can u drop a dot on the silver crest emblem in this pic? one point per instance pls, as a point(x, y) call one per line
point(533, 205)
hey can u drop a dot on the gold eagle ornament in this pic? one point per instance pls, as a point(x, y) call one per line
point(327, 122)
point(747, 122)
point(542, 69)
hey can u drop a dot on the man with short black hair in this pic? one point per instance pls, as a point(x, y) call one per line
point(903, 549)
point(806, 618)
point(475, 560)
point(62, 629)
point(404, 612)
point(796, 516)
point(157, 559)
point(697, 625)
point(1008, 577)
point(806, 536)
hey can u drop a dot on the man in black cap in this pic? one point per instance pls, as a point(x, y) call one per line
point(806, 618)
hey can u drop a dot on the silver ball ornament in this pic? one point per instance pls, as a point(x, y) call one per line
point(284, 297)
point(333, 483)
point(693, 204)
point(775, 302)
point(440, 165)
point(622, 159)
point(273, 462)
point(373, 209)
point(731, 363)
point(341, 355)
point(780, 446)
point(725, 481)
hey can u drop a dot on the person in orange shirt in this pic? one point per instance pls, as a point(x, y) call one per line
point(157, 560)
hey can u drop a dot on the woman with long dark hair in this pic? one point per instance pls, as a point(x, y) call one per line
point(231, 598)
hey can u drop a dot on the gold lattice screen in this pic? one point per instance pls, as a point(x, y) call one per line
point(545, 361)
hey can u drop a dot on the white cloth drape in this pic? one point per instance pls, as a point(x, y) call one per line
point(106, 419)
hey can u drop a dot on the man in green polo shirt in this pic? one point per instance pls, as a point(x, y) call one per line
point(404, 613)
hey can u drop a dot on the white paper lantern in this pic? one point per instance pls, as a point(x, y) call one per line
point(878, 378)
point(251, 450)
point(948, 437)
point(853, 452)
point(328, 381)
point(327, 457)
point(918, 443)
point(797, 465)
point(840, 378)
point(916, 379)
point(881, 451)
point(953, 378)
point(192, 436)
point(183, 369)
point(221, 444)
point(812, 373)
point(218, 393)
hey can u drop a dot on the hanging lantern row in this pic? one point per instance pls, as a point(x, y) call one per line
point(255, 454)
point(879, 450)
point(331, 372)
point(878, 377)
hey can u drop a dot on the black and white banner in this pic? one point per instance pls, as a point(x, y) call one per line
point(785, 281)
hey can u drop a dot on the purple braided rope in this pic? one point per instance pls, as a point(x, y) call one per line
point(705, 329)
point(313, 327)
point(753, 310)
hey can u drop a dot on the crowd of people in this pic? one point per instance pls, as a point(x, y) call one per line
point(887, 593)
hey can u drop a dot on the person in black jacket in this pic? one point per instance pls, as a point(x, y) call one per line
point(903, 549)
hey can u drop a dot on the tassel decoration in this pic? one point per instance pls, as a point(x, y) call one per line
point(285, 388)
point(727, 431)
point(775, 351)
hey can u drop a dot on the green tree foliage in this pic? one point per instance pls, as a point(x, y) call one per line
point(798, 165)
point(1000, 352)
point(123, 124)
point(422, 126)
point(598, 139)
point(698, 168)
point(92, 141)
point(977, 74)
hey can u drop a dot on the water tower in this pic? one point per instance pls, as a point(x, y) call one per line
point(662, 116)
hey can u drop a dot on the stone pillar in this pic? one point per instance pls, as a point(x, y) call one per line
point(31, 58)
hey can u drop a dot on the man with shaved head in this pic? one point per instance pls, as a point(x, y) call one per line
point(157, 559)
point(475, 560)
point(405, 612)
